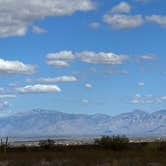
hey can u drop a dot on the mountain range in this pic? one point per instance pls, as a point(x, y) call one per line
point(38, 122)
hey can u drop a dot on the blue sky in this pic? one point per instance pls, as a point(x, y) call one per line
point(83, 56)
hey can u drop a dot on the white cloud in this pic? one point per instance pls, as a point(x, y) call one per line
point(14, 84)
point(141, 84)
point(63, 58)
point(62, 55)
point(85, 101)
point(94, 25)
point(87, 85)
point(158, 19)
point(15, 67)
point(38, 30)
point(148, 99)
point(58, 63)
point(7, 96)
point(148, 57)
point(60, 59)
point(101, 57)
point(17, 15)
point(163, 98)
point(143, 99)
point(38, 88)
point(122, 7)
point(115, 71)
point(2, 90)
point(56, 79)
point(4, 105)
point(121, 21)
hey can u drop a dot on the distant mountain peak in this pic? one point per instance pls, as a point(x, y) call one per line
point(39, 110)
point(42, 122)
point(161, 112)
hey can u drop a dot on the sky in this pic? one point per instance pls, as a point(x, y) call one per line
point(82, 56)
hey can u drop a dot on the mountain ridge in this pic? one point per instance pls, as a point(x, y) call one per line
point(40, 122)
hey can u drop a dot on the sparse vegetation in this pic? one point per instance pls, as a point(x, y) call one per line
point(113, 142)
point(4, 145)
point(157, 146)
point(47, 144)
point(107, 151)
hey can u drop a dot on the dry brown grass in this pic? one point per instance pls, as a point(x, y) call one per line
point(134, 155)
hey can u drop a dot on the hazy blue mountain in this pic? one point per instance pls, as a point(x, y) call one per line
point(53, 123)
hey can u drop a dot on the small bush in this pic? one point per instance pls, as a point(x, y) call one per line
point(113, 142)
point(4, 145)
point(47, 144)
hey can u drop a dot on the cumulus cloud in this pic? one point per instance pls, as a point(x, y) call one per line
point(65, 57)
point(140, 99)
point(115, 71)
point(148, 57)
point(121, 21)
point(94, 25)
point(148, 99)
point(119, 17)
point(101, 57)
point(141, 84)
point(4, 105)
point(38, 30)
point(2, 90)
point(38, 88)
point(58, 63)
point(85, 101)
point(60, 59)
point(158, 19)
point(7, 96)
point(87, 85)
point(55, 79)
point(15, 67)
point(122, 7)
point(17, 15)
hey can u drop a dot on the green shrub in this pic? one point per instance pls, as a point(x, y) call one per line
point(113, 142)
point(47, 144)
point(4, 145)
